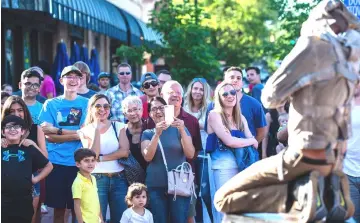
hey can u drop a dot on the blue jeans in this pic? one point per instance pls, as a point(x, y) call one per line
point(112, 191)
point(354, 183)
point(165, 209)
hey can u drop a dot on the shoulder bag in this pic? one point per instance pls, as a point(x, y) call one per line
point(134, 173)
point(181, 179)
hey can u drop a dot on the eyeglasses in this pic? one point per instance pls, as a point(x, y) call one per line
point(124, 73)
point(160, 108)
point(199, 79)
point(105, 106)
point(227, 93)
point(152, 83)
point(72, 77)
point(132, 111)
point(15, 127)
point(32, 85)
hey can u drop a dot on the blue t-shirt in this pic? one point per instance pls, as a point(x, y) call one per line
point(256, 92)
point(251, 109)
point(35, 112)
point(66, 114)
point(89, 94)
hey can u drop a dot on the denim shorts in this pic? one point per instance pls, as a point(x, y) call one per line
point(36, 188)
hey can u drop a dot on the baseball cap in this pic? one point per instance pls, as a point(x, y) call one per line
point(103, 74)
point(148, 76)
point(12, 119)
point(69, 69)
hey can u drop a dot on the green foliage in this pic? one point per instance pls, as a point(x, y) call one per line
point(135, 54)
point(187, 49)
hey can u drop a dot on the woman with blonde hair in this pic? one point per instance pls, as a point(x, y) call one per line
point(228, 135)
point(108, 140)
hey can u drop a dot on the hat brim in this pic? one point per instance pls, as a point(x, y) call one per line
point(73, 71)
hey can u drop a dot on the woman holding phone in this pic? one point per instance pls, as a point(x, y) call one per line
point(177, 146)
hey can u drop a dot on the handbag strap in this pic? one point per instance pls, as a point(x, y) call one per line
point(163, 155)
point(114, 127)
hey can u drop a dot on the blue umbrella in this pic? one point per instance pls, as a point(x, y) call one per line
point(94, 65)
point(61, 61)
point(84, 55)
point(75, 53)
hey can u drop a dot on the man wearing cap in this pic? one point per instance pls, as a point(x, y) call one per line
point(119, 92)
point(61, 117)
point(150, 87)
point(30, 87)
point(104, 82)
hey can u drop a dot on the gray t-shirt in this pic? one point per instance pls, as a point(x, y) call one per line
point(170, 138)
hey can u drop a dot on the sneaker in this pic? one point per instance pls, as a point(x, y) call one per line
point(308, 197)
point(44, 209)
point(340, 207)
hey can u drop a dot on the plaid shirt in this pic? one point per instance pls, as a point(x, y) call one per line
point(116, 96)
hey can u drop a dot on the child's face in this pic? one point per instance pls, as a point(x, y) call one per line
point(139, 200)
point(283, 120)
point(87, 164)
point(12, 132)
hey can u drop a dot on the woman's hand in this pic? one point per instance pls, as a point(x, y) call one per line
point(255, 142)
point(160, 127)
point(98, 124)
point(4, 143)
point(48, 128)
point(27, 142)
point(178, 123)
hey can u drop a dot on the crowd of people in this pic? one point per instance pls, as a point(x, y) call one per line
point(90, 150)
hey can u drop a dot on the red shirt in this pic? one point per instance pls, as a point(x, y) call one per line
point(145, 103)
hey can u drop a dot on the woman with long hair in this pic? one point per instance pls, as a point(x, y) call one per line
point(228, 134)
point(15, 105)
point(108, 140)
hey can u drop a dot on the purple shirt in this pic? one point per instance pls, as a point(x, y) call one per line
point(47, 86)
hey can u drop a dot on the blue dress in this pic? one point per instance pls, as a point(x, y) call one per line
point(224, 157)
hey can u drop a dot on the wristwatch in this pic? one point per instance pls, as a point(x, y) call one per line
point(59, 132)
point(100, 158)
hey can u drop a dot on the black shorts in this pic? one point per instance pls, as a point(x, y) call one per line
point(58, 186)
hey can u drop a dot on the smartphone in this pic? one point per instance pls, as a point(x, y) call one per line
point(169, 114)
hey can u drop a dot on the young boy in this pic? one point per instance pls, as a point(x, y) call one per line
point(84, 188)
point(18, 163)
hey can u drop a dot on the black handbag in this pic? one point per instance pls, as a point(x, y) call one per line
point(134, 173)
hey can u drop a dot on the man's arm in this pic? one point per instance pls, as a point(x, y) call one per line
point(260, 134)
point(51, 134)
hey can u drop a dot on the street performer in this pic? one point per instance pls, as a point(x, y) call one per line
point(319, 77)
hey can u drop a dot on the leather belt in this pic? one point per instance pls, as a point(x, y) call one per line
point(110, 175)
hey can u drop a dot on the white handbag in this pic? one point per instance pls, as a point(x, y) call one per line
point(181, 179)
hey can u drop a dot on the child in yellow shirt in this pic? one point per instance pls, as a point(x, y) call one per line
point(84, 188)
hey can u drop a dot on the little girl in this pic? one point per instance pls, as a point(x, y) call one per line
point(136, 199)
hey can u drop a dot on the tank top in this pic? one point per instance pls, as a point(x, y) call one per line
point(135, 149)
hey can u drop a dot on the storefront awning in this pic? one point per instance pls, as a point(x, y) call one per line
point(151, 37)
point(97, 15)
point(135, 32)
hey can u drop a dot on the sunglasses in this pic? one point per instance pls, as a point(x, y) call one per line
point(152, 83)
point(31, 85)
point(124, 73)
point(15, 127)
point(227, 93)
point(105, 106)
point(160, 108)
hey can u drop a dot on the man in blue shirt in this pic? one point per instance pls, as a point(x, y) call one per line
point(30, 87)
point(253, 75)
point(250, 107)
point(61, 117)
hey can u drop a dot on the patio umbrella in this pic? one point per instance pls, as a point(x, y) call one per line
point(84, 54)
point(75, 53)
point(94, 65)
point(61, 61)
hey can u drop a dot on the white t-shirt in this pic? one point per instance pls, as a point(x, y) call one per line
point(130, 216)
point(108, 144)
point(352, 159)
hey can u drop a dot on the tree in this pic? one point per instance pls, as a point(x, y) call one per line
point(187, 45)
